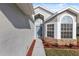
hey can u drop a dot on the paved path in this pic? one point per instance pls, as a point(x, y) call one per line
point(38, 49)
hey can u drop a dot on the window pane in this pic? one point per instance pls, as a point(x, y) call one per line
point(67, 19)
point(66, 30)
point(50, 30)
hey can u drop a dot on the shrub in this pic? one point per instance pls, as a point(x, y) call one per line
point(56, 44)
point(71, 45)
point(66, 45)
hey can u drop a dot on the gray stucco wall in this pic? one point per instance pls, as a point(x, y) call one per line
point(16, 30)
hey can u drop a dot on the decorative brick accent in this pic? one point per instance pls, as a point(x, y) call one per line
point(29, 53)
point(60, 41)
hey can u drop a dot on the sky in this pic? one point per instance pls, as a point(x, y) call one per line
point(54, 7)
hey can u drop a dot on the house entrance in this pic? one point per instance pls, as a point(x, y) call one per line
point(38, 26)
point(39, 31)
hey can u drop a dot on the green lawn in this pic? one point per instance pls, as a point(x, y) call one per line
point(61, 52)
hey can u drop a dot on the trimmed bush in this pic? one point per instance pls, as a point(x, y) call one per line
point(71, 45)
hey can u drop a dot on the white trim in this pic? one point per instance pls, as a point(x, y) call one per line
point(74, 30)
point(34, 31)
point(45, 9)
point(68, 8)
point(58, 30)
point(67, 14)
point(74, 24)
point(35, 24)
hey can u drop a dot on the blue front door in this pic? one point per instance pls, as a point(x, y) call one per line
point(38, 31)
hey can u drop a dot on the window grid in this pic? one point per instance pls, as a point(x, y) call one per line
point(66, 30)
point(50, 30)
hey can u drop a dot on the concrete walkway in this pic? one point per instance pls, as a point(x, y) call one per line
point(38, 49)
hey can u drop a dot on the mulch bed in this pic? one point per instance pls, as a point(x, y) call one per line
point(49, 45)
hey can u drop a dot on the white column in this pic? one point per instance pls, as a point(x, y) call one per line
point(58, 30)
point(74, 30)
point(55, 30)
point(34, 31)
point(45, 30)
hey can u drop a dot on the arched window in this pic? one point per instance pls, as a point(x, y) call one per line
point(66, 27)
point(67, 19)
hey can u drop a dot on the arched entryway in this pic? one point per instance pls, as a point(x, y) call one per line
point(38, 26)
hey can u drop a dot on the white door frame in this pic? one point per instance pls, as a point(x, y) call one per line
point(36, 24)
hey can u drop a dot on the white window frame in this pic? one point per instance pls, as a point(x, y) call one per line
point(74, 23)
point(46, 29)
point(67, 31)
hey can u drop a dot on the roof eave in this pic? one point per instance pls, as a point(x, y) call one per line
point(27, 8)
point(69, 8)
point(44, 9)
